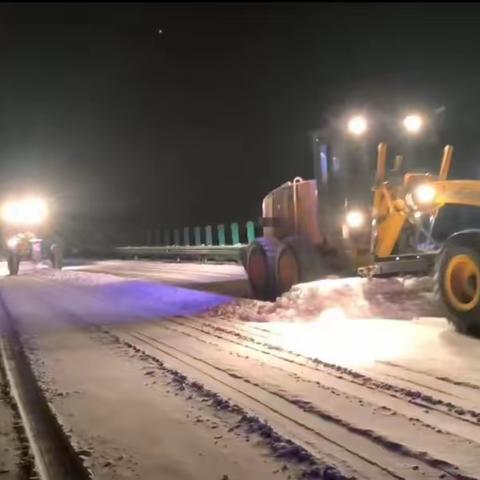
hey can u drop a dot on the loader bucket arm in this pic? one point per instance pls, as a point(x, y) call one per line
point(446, 163)
point(390, 219)
point(378, 204)
point(459, 192)
point(388, 211)
point(381, 162)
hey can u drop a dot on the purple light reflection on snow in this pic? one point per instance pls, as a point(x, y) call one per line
point(146, 300)
point(52, 305)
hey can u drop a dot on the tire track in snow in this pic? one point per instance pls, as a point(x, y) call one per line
point(396, 448)
point(414, 396)
point(461, 441)
point(260, 332)
point(157, 345)
point(360, 398)
point(448, 380)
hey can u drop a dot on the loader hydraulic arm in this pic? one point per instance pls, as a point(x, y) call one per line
point(389, 218)
point(388, 210)
point(459, 192)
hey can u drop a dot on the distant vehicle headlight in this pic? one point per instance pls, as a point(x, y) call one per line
point(355, 218)
point(12, 242)
point(424, 194)
point(29, 211)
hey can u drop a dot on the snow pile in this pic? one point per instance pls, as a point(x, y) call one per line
point(391, 298)
point(77, 277)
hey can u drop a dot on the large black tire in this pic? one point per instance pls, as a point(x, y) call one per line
point(457, 285)
point(13, 262)
point(260, 266)
point(287, 269)
point(57, 256)
point(311, 264)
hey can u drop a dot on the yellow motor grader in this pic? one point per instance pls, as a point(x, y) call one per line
point(306, 236)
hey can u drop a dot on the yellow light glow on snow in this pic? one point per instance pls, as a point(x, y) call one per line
point(333, 338)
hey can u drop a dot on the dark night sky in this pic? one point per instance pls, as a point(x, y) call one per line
point(196, 124)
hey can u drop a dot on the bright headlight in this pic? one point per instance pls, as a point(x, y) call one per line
point(10, 212)
point(355, 218)
point(357, 125)
point(413, 123)
point(424, 194)
point(30, 211)
point(12, 242)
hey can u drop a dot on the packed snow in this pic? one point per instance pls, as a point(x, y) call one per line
point(77, 277)
point(341, 298)
point(404, 298)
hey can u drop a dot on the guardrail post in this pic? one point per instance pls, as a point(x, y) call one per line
point(158, 239)
point(250, 231)
point(198, 236)
point(235, 233)
point(166, 237)
point(208, 235)
point(186, 236)
point(221, 234)
point(176, 237)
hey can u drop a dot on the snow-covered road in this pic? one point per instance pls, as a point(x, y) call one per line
point(221, 278)
point(337, 379)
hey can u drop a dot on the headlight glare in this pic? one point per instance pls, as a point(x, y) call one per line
point(355, 218)
point(30, 211)
point(424, 194)
point(357, 125)
point(12, 242)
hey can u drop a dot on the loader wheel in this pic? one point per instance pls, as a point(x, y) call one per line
point(311, 265)
point(57, 256)
point(457, 286)
point(13, 262)
point(260, 266)
point(287, 269)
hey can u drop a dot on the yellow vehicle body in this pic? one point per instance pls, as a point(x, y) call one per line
point(457, 263)
point(299, 221)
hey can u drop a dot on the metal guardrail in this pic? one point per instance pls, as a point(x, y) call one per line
point(210, 235)
point(212, 242)
point(234, 253)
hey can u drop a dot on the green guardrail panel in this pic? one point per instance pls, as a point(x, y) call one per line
point(167, 237)
point(197, 233)
point(221, 234)
point(186, 236)
point(176, 237)
point(235, 233)
point(208, 235)
point(250, 231)
point(213, 252)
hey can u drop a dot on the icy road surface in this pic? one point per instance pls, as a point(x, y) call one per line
point(337, 379)
point(221, 278)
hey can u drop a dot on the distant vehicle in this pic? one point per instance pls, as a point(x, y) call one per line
point(27, 233)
